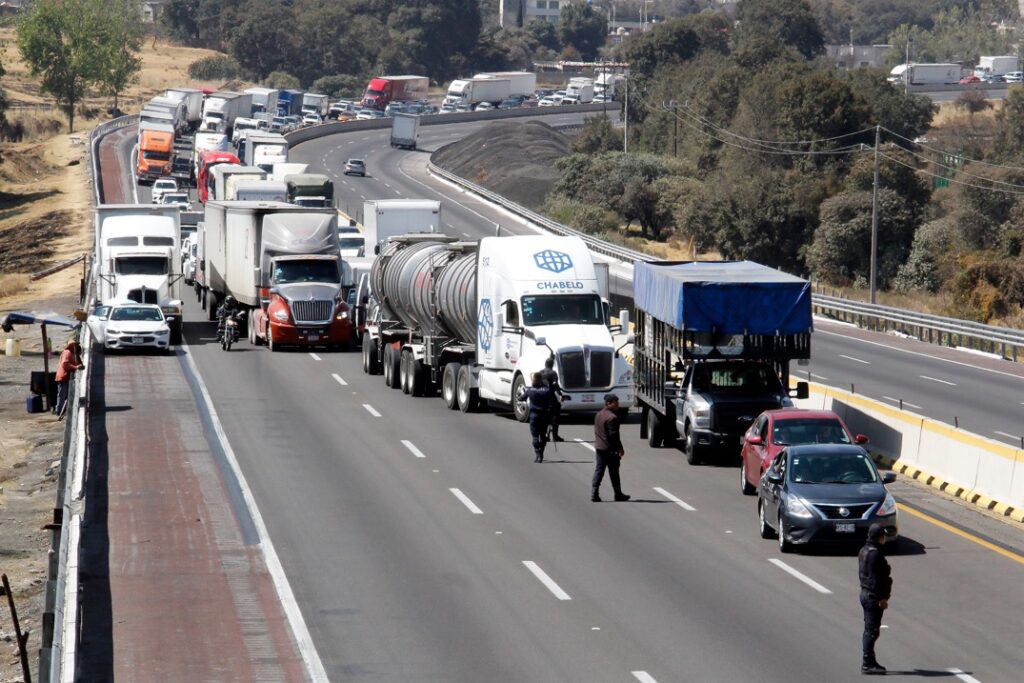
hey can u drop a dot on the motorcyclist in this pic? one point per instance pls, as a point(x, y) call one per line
point(227, 309)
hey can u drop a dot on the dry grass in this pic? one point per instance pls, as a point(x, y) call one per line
point(12, 283)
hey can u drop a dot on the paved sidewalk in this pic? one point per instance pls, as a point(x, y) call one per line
point(174, 587)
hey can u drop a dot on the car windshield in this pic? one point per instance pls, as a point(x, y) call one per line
point(736, 377)
point(141, 265)
point(832, 468)
point(174, 198)
point(287, 272)
point(351, 243)
point(165, 185)
point(563, 309)
point(136, 313)
point(355, 162)
point(807, 430)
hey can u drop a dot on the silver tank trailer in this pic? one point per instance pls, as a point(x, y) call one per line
point(428, 282)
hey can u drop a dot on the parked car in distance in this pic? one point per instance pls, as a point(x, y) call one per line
point(484, 106)
point(355, 167)
point(969, 79)
point(511, 102)
point(446, 109)
point(548, 101)
point(993, 78)
point(820, 493)
point(543, 93)
point(178, 199)
point(294, 122)
point(311, 120)
point(569, 99)
point(162, 186)
point(1015, 77)
point(366, 114)
point(130, 326)
point(773, 430)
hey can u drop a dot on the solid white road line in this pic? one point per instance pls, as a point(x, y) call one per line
point(940, 381)
point(643, 677)
point(314, 667)
point(464, 499)
point(858, 360)
point(586, 445)
point(966, 678)
point(681, 503)
point(1008, 436)
point(803, 577)
point(823, 379)
point(555, 589)
point(314, 356)
point(412, 449)
point(371, 410)
point(896, 400)
point(339, 380)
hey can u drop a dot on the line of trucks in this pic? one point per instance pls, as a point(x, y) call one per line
point(988, 66)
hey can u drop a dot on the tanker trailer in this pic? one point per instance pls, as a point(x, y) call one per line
point(476, 320)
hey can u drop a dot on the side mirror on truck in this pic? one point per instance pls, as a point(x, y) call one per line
point(673, 391)
point(803, 390)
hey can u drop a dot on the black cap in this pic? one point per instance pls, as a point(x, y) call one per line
point(875, 531)
point(610, 398)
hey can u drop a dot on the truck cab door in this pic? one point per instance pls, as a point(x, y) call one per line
point(511, 325)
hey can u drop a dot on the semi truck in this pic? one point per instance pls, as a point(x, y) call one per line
point(581, 90)
point(996, 65)
point(289, 102)
point(260, 191)
point(386, 218)
point(926, 74)
point(264, 100)
point(382, 91)
point(472, 91)
point(177, 109)
point(605, 84)
point(138, 258)
point(155, 153)
point(207, 162)
point(477, 319)
point(281, 263)
point(222, 108)
point(207, 142)
point(281, 171)
point(261, 149)
point(313, 103)
point(193, 102)
point(519, 82)
point(713, 344)
point(405, 130)
point(310, 189)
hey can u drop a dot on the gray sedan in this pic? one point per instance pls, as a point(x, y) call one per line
point(824, 493)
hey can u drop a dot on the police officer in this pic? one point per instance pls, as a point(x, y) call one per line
point(608, 449)
point(226, 310)
point(540, 397)
point(875, 588)
point(550, 377)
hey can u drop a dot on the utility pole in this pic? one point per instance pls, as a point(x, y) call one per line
point(625, 130)
point(906, 70)
point(675, 129)
point(874, 220)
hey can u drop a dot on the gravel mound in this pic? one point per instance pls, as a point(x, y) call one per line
point(516, 160)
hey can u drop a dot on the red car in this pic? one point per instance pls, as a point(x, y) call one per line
point(967, 80)
point(773, 430)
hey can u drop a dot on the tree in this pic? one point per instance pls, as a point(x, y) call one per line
point(3, 108)
point(909, 116)
point(767, 28)
point(65, 45)
point(583, 28)
point(597, 135)
point(544, 33)
point(667, 44)
point(973, 100)
point(122, 64)
point(341, 85)
point(1010, 118)
point(282, 80)
point(433, 35)
point(932, 260)
point(262, 40)
point(180, 19)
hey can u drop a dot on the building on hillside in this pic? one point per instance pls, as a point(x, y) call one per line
point(857, 56)
point(522, 12)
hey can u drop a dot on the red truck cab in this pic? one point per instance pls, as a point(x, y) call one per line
point(207, 160)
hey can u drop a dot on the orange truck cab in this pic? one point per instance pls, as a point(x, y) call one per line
point(156, 152)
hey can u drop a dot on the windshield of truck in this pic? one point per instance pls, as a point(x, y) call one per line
point(288, 272)
point(739, 377)
point(804, 430)
point(136, 313)
point(156, 156)
point(141, 265)
point(832, 468)
point(563, 309)
point(154, 241)
point(373, 93)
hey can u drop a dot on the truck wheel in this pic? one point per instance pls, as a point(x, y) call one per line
point(270, 340)
point(655, 435)
point(694, 454)
point(392, 362)
point(371, 364)
point(417, 377)
point(449, 385)
point(212, 304)
point(252, 330)
point(176, 333)
point(521, 407)
point(468, 396)
point(388, 365)
point(404, 373)
point(745, 486)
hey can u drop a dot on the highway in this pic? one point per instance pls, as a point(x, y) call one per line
point(425, 545)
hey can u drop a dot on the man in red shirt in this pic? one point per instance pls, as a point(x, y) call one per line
point(66, 366)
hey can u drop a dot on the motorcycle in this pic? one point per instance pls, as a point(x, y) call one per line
point(232, 330)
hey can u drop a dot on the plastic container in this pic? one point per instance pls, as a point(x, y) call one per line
point(13, 347)
point(34, 403)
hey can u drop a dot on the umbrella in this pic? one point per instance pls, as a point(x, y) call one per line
point(41, 319)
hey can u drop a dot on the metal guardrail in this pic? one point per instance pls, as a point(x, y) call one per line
point(1001, 341)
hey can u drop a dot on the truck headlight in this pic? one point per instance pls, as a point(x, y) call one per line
point(281, 316)
point(625, 378)
point(702, 415)
point(343, 315)
point(888, 506)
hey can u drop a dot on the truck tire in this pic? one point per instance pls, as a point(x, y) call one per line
point(469, 397)
point(520, 408)
point(388, 366)
point(449, 385)
point(274, 348)
point(212, 305)
point(417, 377)
point(176, 334)
point(392, 366)
point(694, 454)
point(371, 359)
point(655, 431)
point(405, 373)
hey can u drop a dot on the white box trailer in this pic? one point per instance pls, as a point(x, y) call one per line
point(926, 74)
point(226, 177)
point(996, 65)
point(193, 100)
point(405, 130)
point(386, 218)
point(264, 100)
point(520, 82)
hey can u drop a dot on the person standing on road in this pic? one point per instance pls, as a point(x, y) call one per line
point(608, 448)
point(540, 397)
point(550, 377)
point(70, 360)
point(875, 589)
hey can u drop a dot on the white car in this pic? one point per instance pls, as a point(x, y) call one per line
point(178, 199)
point(130, 326)
point(1015, 77)
point(162, 186)
point(484, 106)
point(352, 244)
point(569, 99)
point(311, 120)
point(549, 101)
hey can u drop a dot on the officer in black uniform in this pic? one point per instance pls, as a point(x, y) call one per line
point(225, 311)
point(540, 397)
point(875, 588)
point(550, 377)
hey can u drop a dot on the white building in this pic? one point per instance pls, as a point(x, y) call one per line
point(522, 12)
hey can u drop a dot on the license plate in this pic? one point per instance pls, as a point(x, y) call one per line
point(845, 528)
point(587, 398)
point(136, 340)
point(314, 337)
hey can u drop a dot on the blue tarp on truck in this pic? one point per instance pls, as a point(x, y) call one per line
point(723, 297)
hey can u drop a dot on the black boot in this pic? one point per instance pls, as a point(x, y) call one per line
point(872, 668)
point(538, 456)
point(595, 495)
point(621, 497)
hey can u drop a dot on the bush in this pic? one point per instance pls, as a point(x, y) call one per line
point(587, 218)
point(988, 288)
point(282, 80)
point(214, 68)
point(929, 264)
point(341, 85)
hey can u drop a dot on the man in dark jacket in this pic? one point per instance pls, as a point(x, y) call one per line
point(875, 588)
point(608, 447)
point(540, 397)
point(550, 377)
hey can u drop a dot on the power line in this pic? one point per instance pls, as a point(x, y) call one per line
point(952, 180)
point(942, 151)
